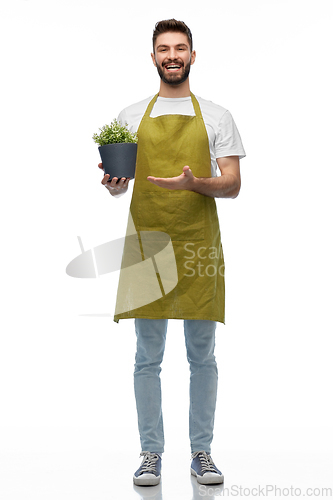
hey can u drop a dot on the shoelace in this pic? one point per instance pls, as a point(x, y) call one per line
point(149, 462)
point(206, 462)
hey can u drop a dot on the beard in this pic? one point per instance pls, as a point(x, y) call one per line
point(171, 78)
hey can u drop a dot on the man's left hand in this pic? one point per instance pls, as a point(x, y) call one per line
point(183, 181)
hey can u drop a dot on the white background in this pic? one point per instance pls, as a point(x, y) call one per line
point(69, 67)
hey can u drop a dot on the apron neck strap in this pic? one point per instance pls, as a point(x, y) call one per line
point(150, 106)
point(196, 106)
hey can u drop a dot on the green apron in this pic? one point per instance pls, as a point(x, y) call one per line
point(186, 279)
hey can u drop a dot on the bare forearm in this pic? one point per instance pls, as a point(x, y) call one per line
point(224, 186)
point(227, 185)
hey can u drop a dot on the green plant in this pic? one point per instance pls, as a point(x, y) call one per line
point(114, 133)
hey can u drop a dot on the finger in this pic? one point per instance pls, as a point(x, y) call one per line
point(100, 165)
point(105, 179)
point(160, 181)
point(114, 182)
point(123, 183)
point(121, 179)
point(187, 172)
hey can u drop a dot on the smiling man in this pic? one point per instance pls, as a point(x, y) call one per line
point(184, 141)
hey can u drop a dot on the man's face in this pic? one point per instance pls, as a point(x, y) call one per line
point(172, 57)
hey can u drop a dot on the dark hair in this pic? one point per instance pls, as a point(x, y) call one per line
point(172, 25)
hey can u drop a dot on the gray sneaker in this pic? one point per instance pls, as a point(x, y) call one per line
point(204, 469)
point(149, 472)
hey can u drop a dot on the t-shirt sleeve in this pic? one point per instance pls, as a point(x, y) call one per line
point(122, 117)
point(126, 118)
point(228, 141)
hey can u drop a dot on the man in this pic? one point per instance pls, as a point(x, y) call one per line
point(182, 139)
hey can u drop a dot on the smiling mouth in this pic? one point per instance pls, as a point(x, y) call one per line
point(172, 67)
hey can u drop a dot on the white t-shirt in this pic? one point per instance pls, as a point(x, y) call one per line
point(223, 136)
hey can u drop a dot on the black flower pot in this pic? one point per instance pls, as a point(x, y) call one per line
point(119, 160)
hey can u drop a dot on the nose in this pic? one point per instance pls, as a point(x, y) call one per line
point(173, 53)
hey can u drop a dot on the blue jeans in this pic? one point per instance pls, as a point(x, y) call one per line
point(200, 343)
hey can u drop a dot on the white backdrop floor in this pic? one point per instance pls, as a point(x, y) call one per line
point(98, 473)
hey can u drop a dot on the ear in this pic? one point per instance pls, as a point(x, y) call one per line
point(153, 59)
point(193, 56)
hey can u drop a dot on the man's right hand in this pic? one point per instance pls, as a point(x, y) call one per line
point(115, 186)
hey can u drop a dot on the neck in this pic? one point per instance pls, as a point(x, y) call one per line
point(174, 91)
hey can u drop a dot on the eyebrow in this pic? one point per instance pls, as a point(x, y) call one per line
point(167, 46)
